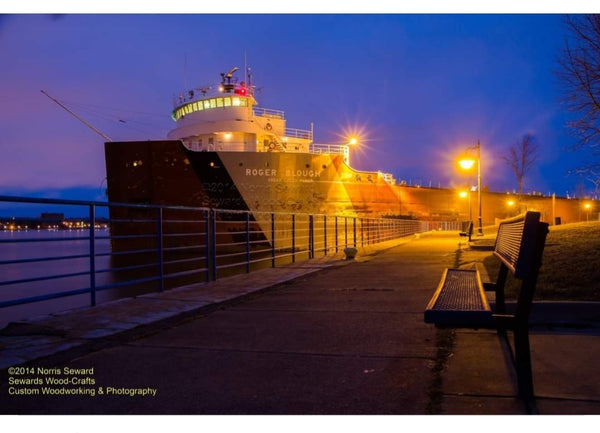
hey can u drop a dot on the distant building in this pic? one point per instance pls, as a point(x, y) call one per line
point(50, 216)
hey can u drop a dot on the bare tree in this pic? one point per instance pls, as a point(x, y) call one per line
point(592, 176)
point(580, 77)
point(521, 157)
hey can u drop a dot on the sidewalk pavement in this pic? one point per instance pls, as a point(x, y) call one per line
point(325, 336)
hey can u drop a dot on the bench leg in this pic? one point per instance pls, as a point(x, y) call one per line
point(523, 363)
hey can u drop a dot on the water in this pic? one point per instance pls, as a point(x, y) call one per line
point(47, 244)
point(52, 243)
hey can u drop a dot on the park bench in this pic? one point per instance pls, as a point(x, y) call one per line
point(460, 300)
point(466, 229)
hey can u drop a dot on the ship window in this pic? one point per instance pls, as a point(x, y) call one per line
point(236, 102)
point(213, 103)
point(227, 102)
point(219, 102)
point(206, 104)
point(210, 140)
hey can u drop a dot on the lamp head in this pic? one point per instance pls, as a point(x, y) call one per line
point(466, 163)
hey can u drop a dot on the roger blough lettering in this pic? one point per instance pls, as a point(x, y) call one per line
point(302, 173)
point(261, 172)
point(270, 172)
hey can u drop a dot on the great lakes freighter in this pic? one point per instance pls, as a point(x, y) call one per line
point(227, 152)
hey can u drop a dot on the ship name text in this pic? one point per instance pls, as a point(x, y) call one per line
point(272, 172)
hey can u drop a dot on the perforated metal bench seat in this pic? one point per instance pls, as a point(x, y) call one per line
point(459, 301)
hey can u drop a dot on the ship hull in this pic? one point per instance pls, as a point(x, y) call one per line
point(167, 173)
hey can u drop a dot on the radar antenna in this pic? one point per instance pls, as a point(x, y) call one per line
point(230, 73)
point(226, 80)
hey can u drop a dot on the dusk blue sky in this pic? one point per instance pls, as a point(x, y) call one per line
point(421, 88)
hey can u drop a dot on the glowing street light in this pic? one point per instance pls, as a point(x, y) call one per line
point(467, 194)
point(353, 141)
point(466, 163)
point(587, 207)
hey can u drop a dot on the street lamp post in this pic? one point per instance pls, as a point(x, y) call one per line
point(468, 163)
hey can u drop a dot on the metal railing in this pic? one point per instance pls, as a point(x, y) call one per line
point(268, 112)
point(145, 248)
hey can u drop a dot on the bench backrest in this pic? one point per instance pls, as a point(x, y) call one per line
point(520, 244)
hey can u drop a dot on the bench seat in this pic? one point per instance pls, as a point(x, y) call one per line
point(459, 301)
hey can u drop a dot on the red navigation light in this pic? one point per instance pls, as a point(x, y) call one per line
point(241, 91)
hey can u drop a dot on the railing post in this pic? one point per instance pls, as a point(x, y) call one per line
point(92, 254)
point(345, 232)
point(159, 249)
point(293, 238)
point(336, 235)
point(311, 237)
point(247, 242)
point(354, 230)
point(362, 233)
point(207, 252)
point(213, 218)
point(324, 235)
point(272, 240)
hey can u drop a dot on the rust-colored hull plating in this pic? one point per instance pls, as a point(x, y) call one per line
point(165, 172)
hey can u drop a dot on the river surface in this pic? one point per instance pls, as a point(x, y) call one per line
point(36, 244)
point(44, 244)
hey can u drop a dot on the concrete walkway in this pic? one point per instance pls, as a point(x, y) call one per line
point(327, 336)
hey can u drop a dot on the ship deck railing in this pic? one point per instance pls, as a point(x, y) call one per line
point(336, 149)
point(268, 112)
point(115, 250)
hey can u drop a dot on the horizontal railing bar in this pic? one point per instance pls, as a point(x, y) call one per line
point(51, 277)
point(174, 235)
point(186, 273)
point(191, 259)
point(126, 283)
point(184, 221)
point(127, 268)
point(231, 244)
point(241, 253)
point(142, 236)
point(43, 259)
point(132, 252)
point(190, 247)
